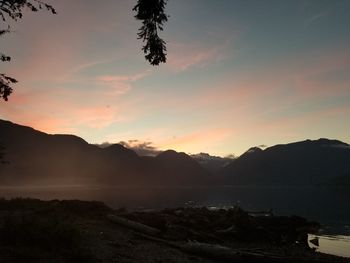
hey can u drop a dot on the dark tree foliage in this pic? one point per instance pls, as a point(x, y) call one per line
point(5, 86)
point(5, 81)
point(151, 13)
point(13, 10)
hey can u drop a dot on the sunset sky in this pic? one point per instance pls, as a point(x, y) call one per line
point(239, 73)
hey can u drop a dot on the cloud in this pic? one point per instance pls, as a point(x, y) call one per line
point(96, 116)
point(308, 83)
point(90, 64)
point(156, 140)
point(63, 110)
point(325, 74)
point(123, 78)
point(196, 141)
point(141, 148)
point(183, 56)
point(314, 18)
point(119, 84)
point(50, 49)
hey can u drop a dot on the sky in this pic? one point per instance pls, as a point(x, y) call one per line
point(239, 73)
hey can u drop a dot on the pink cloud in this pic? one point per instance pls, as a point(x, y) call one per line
point(119, 84)
point(285, 86)
point(96, 116)
point(293, 126)
point(26, 108)
point(319, 78)
point(67, 110)
point(123, 78)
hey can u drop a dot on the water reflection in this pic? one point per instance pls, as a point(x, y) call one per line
point(331, 244)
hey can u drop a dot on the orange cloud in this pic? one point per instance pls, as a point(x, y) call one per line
point(196, 141)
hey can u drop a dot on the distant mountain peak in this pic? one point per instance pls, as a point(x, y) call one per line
point(251, 152)
point(69, 138)
point(254, 150)
point(330, 142)
point(168, 152)
point(210, 162)
point(115, 146)
point(308, 162)
point(172, 154)
point(121, 150)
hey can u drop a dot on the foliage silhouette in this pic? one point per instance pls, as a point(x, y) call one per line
point(13, 10)
point(151, 13)
point(5, 81)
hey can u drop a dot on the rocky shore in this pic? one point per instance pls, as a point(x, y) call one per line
point(78, 231)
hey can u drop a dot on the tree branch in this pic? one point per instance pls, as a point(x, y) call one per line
point(151, 13)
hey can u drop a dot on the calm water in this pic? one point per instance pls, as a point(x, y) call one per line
point(327, 205)
point(332, 244)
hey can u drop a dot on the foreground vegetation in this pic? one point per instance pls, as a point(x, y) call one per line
point(37, 231)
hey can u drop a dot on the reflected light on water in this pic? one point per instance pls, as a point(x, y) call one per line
point(332, 244)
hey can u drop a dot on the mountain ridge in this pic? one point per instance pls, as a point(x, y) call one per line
point(34, 157)
point(308, 162)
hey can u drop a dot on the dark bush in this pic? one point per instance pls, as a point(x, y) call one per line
point(28, 235)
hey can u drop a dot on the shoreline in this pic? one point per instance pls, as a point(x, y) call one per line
point(214, 234)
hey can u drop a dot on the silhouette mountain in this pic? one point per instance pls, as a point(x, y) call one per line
point(307, 162)
point(37, 158)
point(171, 162)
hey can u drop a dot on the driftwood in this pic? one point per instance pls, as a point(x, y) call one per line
point(134, 225)
point(227, 254)
point(206, 250)
point(219, 252)
point(197, 248)
point(173, 232)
